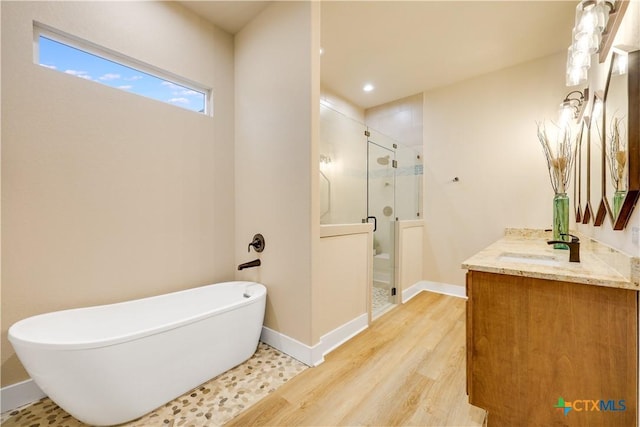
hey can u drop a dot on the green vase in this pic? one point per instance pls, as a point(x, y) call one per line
point(560, 219)
point(618, 198)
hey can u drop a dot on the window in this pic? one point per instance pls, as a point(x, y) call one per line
point(69, 55)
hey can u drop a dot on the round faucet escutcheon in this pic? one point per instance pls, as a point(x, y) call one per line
point(257, 243)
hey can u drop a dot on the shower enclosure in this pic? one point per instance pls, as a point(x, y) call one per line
point(366, 176)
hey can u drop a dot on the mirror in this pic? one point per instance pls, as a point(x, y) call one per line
point(596, 166)
point(577, 170)
point(621, 155)
point(585, 169)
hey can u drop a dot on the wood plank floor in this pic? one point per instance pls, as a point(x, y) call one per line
point(407, 369)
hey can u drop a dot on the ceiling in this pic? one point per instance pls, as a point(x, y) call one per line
point(406, 47)
point(231, 16)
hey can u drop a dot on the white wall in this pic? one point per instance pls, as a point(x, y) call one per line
point(277, 100)
point(401, 119)
point(106, 195)
point(343, 106)
point(483, 130)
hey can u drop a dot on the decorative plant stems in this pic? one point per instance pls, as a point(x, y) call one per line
point(617, 154)
point(560, 155)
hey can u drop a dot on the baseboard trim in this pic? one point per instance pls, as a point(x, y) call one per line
point(16, 395)
point(437, 287)
point(342, 334)
point(314, 355)
point(287, 345)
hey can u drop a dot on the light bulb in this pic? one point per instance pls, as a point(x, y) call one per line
point(586, 17)
point(586, 42)
point(601, 11)
point(577, 58)
point(576, 76)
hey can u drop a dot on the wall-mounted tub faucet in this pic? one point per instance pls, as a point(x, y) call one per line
point(254, 263)
point(257, 243)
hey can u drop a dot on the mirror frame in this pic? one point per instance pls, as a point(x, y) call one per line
point(633, 135)
point(587, 213)
point(577, 174)
point(601, 212)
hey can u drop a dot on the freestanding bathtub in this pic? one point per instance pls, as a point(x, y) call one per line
point(111, 364)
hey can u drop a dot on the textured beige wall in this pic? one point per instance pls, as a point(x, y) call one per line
point(344, 106)
point(277, 98)
point(483, 131)
point(401, 119)
point(344, 280)
point(109, 196)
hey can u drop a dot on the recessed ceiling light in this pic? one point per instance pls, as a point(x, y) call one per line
point(368, 87)
point(321, 51)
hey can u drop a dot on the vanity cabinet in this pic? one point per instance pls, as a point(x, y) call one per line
point(536, 347)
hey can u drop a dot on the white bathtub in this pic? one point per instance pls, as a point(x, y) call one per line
point(111, 364)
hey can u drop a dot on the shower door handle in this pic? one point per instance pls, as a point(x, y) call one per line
point(375, 222)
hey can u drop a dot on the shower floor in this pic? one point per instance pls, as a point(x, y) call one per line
point(380, 301)
point(213, 403)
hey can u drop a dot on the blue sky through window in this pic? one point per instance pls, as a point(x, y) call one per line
point(67, 59)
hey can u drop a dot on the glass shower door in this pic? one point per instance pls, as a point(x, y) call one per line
point(381, 211)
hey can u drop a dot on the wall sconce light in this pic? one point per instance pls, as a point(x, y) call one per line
point(572, 106)
point(592, 17)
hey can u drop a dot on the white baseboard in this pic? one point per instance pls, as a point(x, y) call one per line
point(314, 355)
point(288, 345)
point(342, 334)
point(16, 395)
point(437, 287)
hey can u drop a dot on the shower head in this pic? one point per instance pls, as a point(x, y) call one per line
point(383, 160)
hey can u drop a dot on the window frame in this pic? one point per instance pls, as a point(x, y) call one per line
point(40, 29)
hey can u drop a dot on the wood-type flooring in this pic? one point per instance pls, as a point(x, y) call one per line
point(407, 369)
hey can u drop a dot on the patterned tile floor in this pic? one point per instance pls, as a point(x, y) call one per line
point(211, 404)
point(380, 300)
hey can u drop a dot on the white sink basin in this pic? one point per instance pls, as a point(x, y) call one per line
point(548, 260)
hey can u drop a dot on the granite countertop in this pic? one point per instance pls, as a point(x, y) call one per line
point(526, 253)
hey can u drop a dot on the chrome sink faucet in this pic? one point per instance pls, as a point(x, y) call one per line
point(574, 247)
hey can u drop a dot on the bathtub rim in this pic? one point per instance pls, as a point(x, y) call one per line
point(17, 341)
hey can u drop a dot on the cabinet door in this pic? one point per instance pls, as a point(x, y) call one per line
point(533, 341)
